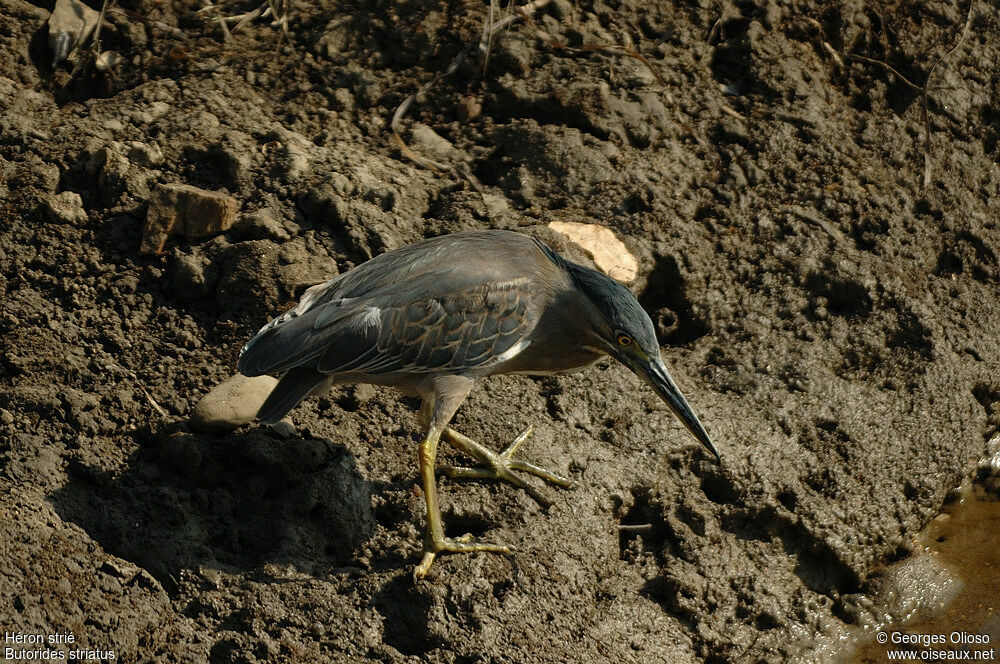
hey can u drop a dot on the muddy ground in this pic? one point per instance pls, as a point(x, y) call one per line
point(834, 322)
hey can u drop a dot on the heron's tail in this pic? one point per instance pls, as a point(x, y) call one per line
point(293, 387)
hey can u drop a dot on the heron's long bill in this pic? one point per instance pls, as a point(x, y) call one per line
point(655, 373)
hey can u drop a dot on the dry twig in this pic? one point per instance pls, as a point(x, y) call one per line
point(397, 117)
point(927, 124)
point(279, 9)
point(176, 32)
point(94, 51)
point(923, 90)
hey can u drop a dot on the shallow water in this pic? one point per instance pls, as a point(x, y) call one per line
point(964, 543)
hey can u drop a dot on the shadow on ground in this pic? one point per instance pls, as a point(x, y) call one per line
point(230, 502)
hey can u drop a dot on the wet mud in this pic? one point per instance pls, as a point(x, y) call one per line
point(823, 278)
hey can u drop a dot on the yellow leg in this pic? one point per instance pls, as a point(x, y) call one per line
point(501, 466)
point(434, 539)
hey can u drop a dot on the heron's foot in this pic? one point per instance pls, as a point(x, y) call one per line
point(463, 544)
point(501, 466)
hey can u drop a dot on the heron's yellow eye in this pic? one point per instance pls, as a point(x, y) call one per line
point(624, 340)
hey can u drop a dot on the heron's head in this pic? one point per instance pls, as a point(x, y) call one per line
point(624, 331)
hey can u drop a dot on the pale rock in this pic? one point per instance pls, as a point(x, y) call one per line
point(65, 208)
point(599, 242)
point(344, 99)
point(232, 403)
point(429, 143)
point(296, 153)
point(144, 154)
point(262, 224)
point(117, 174)
point(188, 275)
point(284, 429)
point(48, 176)
point(468, 108)
point(180, 209)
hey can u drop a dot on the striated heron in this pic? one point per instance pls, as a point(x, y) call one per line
point(433, 317)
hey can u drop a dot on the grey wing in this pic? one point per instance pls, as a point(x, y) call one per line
point(341, 328)
point(456, 333)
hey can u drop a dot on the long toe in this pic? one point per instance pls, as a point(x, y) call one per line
point(501, 466)
point(547, 475)
point(502, 473)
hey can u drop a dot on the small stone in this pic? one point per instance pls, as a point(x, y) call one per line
point(148, 155)
point(563, 9)
point(343, 99)
point(232, 403)
point(188, 274)
point(116, 174)
point(284, 429)
point(296, 149)
point(70, 24)
point(737, 176)
point(65, 208)
point(180, 209)
point(429, 142)
point(114, 125)
point(260, 225)
point(106, 60)
point(609, 253)
point(468, 109)
point(733, 129)
point(47, 176)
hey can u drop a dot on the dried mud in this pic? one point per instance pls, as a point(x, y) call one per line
point(834, 323)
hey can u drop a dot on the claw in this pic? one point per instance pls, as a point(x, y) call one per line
point(461, 544)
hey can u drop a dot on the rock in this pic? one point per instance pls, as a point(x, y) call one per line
point(295, 154)
point(47, 176)
point(148, 155)
point(232, 403)
point(284, 429)
point(263, 224)
point(428, 142)
point(106, 60)
point(65, 208)
point(344, 99)
point(297, 158)
point(113, 176)
point(468, 108)
point(180, 209)
point(188, 275)
point(117, 174)
point(609, 253)
point(737, 176)
point(70, 24)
